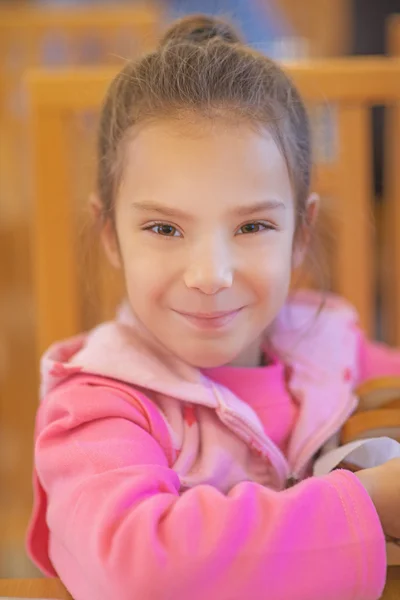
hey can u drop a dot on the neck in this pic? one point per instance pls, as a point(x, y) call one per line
point(252, 357)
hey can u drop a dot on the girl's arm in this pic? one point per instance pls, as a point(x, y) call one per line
point(119, 527)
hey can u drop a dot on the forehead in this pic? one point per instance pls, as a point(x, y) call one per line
point(170, 161)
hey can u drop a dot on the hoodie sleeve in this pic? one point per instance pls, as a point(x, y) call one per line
point(119, 527)
point(377, 360)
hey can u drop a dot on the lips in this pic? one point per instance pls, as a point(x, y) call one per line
point(210, 321)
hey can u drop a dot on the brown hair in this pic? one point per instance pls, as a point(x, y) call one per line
point(202, 68)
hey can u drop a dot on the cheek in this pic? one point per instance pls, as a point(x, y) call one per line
point(273, 265)
point(145, 281)
point(271, 280)
point(148, 274)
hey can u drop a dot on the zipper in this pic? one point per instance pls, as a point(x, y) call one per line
point(288, 478)
point(278, 462)
point(272, 453)
point(316, 442)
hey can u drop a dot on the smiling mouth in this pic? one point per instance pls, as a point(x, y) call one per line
point(210, 321)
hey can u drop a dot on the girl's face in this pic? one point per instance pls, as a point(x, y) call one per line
point(205, 222)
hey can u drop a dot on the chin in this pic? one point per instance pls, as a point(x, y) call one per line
point(208, 360)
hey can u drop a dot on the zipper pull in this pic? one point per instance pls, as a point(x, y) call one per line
point(291, 481)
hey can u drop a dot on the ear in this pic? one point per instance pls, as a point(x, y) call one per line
point(303, 236)
point(108, 235)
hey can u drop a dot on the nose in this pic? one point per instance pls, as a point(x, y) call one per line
point(210, 267)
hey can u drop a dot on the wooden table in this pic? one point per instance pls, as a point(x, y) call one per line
point(33, 588)
point(392, 590)
point(53, 589)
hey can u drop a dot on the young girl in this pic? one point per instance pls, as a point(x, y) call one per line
point(174, 446)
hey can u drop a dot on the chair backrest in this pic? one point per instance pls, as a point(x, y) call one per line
point(393, 34)
point(346, 90)
point(338, 92)
point(391, 204)
point(55, 37)
point(325, 25)
point(38, 36)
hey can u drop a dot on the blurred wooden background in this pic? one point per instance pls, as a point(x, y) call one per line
point(338, 93)
point(29, 37)
point(47, 130)
point(46, 588)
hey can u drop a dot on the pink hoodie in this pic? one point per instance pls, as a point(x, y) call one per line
point(154, 482)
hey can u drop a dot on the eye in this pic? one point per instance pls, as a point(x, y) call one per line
point(254, 227)
point(164, 230)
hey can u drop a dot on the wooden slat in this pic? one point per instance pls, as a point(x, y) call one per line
point(393, 35)
point(34, 588)
point(391, 205)
point(26, 16)
point(52, 588)
point(75, 89)
point(354, 265)
point(368, 80)
point(56, 289)
point(391, 224)
point(392, 589)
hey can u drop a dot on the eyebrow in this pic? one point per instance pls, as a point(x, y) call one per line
point(166, 211)
point(243, 211)
point(257, 207)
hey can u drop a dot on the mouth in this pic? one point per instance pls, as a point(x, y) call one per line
point(210, 321)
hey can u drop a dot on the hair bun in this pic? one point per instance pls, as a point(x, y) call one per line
point(200, 28)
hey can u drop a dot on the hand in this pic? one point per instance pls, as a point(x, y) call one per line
point(383, 485)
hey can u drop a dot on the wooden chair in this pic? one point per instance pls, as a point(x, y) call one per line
point(345, 90)
point(391, 215)
point(393, 35)
point(55, 37)
point(325, 25)
point(38, 36)
point(339, 93)
point(51, 589)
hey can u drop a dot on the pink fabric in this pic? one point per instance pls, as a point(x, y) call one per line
point(377, 360)
point(265, 390)
point(156, 481)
